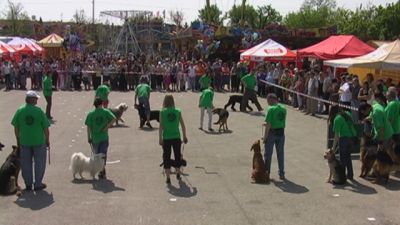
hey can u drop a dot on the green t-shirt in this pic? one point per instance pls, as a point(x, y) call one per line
point(380, 121)
point(170, 118)
point(275, 115)
point(143, 90)
point(204, 81)
point(97, 120)
point(31, 122)
point(47, 86)
point(249, 81)
point(343, 127)
point(206, 98)
point(392, 111)
point(102, 92)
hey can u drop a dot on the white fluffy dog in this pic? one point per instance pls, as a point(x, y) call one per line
point(81, 163)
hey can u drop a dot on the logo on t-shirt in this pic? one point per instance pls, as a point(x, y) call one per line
point(171, 117)
point(281, 116)
point(29, 120)
point(99, 120)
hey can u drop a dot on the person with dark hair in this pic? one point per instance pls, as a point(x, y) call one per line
point(170, 136)
point(345, 133)
point(249, 82)
point(31, 128)
point(48, 90)
point(206, 104)
point(274, 135)
point(392, 111)
point(98, 121)
point(383, 131)
point(102, 92)
point(142, 92)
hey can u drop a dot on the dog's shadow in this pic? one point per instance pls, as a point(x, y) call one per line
point(290, 187)
point(35, 200)
point(184, 190)
point(148, 129)
point(102, 185)
point(356, 187)
point(255, 113)
point(120, 126)
point(216, 132)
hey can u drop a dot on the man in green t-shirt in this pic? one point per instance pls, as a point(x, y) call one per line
point(206, 103)
point(274, 135)
point(48, 90)
point(392, 111)
point(345, 132)
point(31, 128)
point(249, 82)
point(205, 81)
point(142, 92)
point(383, 131)
point(102, 92)
point(98, 121)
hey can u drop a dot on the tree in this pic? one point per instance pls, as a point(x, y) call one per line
point(267, 15)
point(80, 17)
point(317, 4)
point(312, 14)
point(211, 14)
point(176, 17)
point(16, 13)
point(249, 15)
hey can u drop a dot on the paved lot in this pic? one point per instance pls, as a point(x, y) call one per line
point(217, 188)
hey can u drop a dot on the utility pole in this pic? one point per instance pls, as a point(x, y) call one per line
point(93, 12)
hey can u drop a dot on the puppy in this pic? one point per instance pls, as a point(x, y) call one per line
point(1, 146)
point(9, 172)
point(80, 163)
point(223, 118)
point(154, 115)
point(233, 99)
point(337, 173)
point(118, 111)
point(259, 174)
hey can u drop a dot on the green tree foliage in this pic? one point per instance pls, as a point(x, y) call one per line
point(211, 14)
point(267, 15)
point(18, 16)
point(255, 18)
point(317, 4)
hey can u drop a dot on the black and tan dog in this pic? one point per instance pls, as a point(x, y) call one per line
point(154, 114)
point(1, 146)
point(9, 172)
point(368, 150)
point(233, 99)
point(337, 173)
point(222, 118)
point(259, 174)
point(118, 111)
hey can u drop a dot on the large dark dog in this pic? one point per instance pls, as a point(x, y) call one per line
point(154, 115)
point(233, 99)
point(9, 173)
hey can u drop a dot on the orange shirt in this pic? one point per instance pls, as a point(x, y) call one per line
point(200, 70)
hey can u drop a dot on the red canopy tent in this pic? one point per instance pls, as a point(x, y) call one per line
point(337, 47)
point(22, 46)
point(268, 50)
point(6, 51)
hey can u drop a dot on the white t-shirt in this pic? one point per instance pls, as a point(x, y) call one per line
point(192, 71)
point(345, 95)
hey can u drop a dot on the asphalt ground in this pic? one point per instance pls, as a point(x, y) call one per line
point(216, 188)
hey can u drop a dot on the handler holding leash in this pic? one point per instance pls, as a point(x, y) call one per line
point(170, 136)
point(249, 81)
point(142, 92)
point(275, 133)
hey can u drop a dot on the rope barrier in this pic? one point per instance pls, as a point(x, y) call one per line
point(312, 97)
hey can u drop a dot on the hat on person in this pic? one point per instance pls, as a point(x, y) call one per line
point(32, 94)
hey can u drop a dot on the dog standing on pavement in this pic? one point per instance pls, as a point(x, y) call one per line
point(9, 172)
point(118, 111)
point(259, 174)
point(233, 99)
point(81, 163)
point(222, 118)
point(154, 114)
point(337, 173)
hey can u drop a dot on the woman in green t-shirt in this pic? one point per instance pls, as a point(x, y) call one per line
point(170, 136)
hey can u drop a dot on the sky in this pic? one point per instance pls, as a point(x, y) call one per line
point(64, 9)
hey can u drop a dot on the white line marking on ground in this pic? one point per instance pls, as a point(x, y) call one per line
point(371, 219)
point(172, 199)
point(113, 162)
point(73, 140)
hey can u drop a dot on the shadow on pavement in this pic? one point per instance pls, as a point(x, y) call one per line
point(256, 113)
point(357, 187)
point(35, 200)
point(184, 190)
point(120, 126)
point(290, 187)
point(103, 185)
point(216, 132)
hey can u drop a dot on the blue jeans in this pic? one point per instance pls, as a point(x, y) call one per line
point(101, 147)
point(279, 142)
point(38, 154)
point(345, 146)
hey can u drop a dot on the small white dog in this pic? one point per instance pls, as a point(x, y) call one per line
point(81, 163)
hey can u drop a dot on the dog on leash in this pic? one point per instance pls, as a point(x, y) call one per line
point(81, 163)
point(9, 172)
point(233, 99)
point(118, 111)
point(337, 173)
point(368, 153)
point(222, 118)
point(154, 115)
point(259, 174)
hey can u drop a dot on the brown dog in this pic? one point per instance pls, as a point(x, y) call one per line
point(368, 153)
point(337, 174)
point(259, 174)
point(223, 118)
point(9, 172)
point(383, 166)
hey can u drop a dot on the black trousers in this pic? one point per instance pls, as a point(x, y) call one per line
point(48, 106)
point(249, 94)
point(174, 144)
